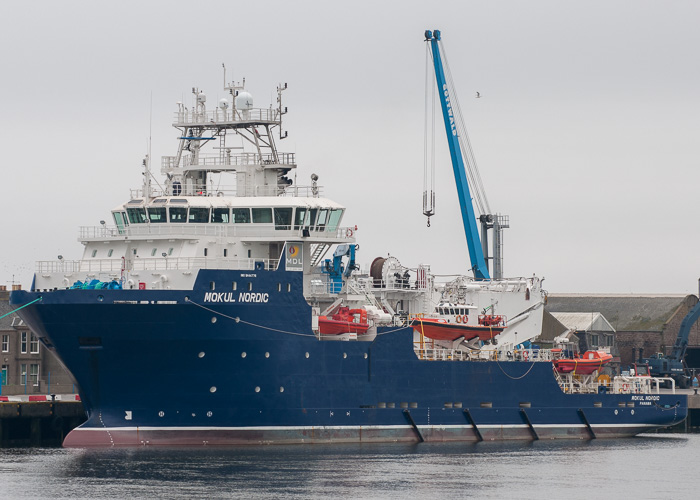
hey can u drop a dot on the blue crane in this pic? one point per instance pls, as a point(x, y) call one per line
point(476, 253)
point(674, 365)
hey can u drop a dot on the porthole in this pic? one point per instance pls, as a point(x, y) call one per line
point(345, 355)
point(170, 251)
point(279, 287)
point(201, 354)
point(257, 388)
point(225, 252)
point(365, 355)
point(267, 354)
point(212, 285)
point(212, 389)
point(213, 319)
point(161, 413)
point(281, 389)
point(206, 251)
point(243, 354)
point(306, 355)
point(209, 414)
point(100, 298)
point(194, 414)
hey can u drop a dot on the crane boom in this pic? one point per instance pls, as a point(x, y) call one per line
point(476, 253)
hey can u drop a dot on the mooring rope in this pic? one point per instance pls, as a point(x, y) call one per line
point(21, 307)
point(286, 332)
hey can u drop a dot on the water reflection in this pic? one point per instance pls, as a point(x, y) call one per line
point(429, 470)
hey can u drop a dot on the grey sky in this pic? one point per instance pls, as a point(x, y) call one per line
point(585, 135)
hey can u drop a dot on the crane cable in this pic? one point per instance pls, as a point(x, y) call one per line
point(428, 158)
point(478, 191)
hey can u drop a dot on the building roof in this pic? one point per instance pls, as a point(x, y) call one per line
point(586, 321)
point(623, 312)
point(6, 322)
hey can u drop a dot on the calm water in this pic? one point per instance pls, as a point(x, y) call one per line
point(653, 466)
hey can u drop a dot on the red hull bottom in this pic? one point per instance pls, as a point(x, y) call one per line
point(132, 437)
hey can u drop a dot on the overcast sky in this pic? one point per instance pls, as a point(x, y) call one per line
point(586, 133)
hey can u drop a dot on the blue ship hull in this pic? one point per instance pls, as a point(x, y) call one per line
point(164, 367)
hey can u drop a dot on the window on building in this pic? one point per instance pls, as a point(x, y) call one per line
point(5, 343)
point(33, 344)
point(23, 343)
point(23, 374)
point(594, 340)
point(34, 374)
point(609, 340)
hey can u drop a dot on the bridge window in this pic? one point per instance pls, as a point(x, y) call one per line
point(334, 220)
point(178, 214)
point(157, 214)
point(199, 215)
point(262, 215)
point(299, 218)
point(220, 215)
point(283, 218)
point(322, 214)
point(240, 215)
point(110, 252)
point(311, 218)
point(120, 220)
point(136, 215)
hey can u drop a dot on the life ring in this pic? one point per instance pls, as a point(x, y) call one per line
point(458, 319)
point(349, 232)
point(625, 387)
point(525, 355)
point(465, 319)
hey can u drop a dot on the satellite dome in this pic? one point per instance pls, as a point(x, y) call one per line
point(223, 103)
point(244, 101)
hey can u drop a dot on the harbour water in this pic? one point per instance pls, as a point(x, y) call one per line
point(649, 466)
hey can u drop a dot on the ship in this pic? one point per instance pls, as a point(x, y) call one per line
point(226, 306)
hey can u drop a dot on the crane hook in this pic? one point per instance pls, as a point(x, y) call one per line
point(428, 221)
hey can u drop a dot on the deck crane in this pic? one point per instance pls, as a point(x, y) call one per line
point(456, 138)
